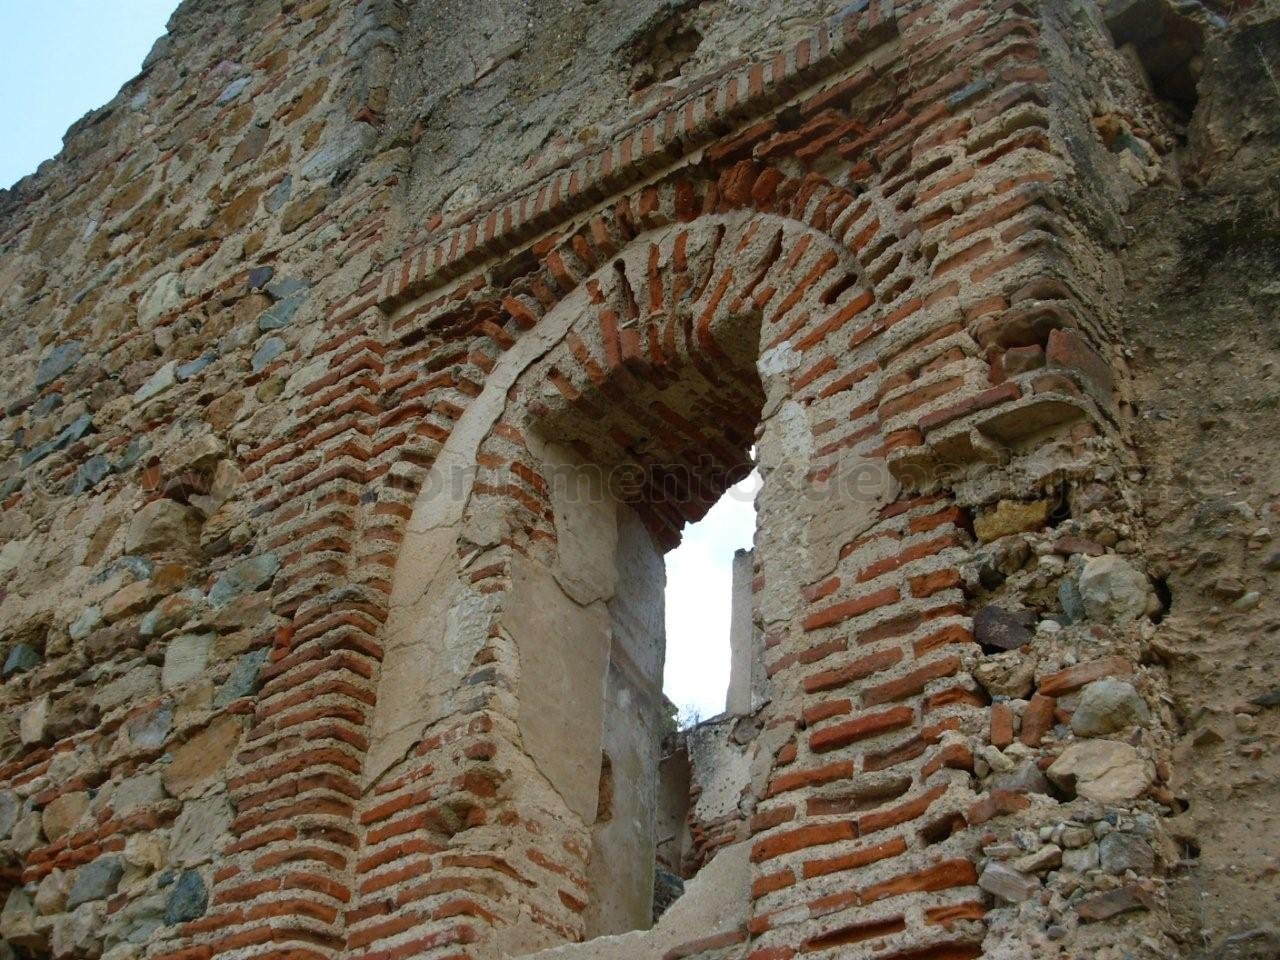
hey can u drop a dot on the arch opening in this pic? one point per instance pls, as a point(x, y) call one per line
point(527, 609)
point(630, 472)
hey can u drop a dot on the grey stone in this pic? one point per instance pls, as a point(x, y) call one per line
point(1104, 906)
point(22, 658)
point(163, 296)
point(282, 288)
point(173, 612)
point(281, 195)
point(136, 793)
point(281, 313)
point(58, 361)
point(1026, 777)
point(232, 90)
point(96, 881)
point(1071, 601)
point(164, 526)
point(192, 368)
point(27, 833)
point(1118, 852)
point(259, 277)
point(90, 473)
point(79, 933)
point(160, 49)
point(188, 899)
point(98, 279)
point(995, 627)
point(78, 428)
point(137, 920)
point(185, 658)
point(18, 921)
point(139, 568)
point(1269, 699)
point(1113, 589)
point(141, 681)
point(243, 679)
point(967, 93)
point(47, 405)
point(1082, 859)
point(339, 150)
point(151, 729)
point(132, 454)
point(34, 723)
point(1108, 705)
point(245, 577)
point(14, 553)
point(199, 830)
point(1007, 883)
point(158, 383)
point(270, 348)
point(10, 808)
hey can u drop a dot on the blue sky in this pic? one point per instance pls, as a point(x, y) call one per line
point(59, 59)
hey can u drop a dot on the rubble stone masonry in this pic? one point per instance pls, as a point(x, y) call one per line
point(315, 647)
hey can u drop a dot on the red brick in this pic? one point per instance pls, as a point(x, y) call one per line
point(943, 876)
point(1073, 678)
point(1037, 719)
point(839, 612)
point(842, 734)
point(858, 858)
point(911, 683)
point(801, 838)
point(857, 670)
point(1001, 725)
point(997, 803)
point(811, 777)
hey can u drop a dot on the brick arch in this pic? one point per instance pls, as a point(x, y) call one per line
point(675, 319)
point(957, 278)
point(440, 349)
point(662, 366)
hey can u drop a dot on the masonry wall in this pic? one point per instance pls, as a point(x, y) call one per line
point(303, 325)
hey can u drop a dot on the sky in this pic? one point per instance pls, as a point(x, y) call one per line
point(59, 59)
point(699, 587)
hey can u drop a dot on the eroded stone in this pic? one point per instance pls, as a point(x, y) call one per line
point(1103, 770)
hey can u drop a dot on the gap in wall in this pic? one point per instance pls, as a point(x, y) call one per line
point(699, 604)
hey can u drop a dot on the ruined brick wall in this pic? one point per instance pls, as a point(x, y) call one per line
point(300, 633)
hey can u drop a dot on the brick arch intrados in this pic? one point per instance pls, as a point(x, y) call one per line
point(697, 302)
point(660, 371)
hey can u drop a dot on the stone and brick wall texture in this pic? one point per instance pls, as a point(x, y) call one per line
point(297, 326)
